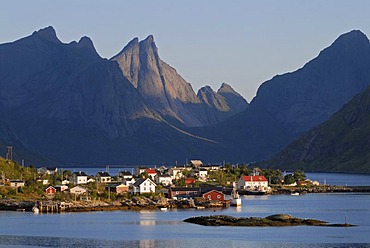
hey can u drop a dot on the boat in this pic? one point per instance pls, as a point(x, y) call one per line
point(294, 193)
point(163, 209)
point(35, 210)
point(235, 198)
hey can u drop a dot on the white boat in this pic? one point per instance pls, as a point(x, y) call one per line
point(295, 193)
point(35, 210)
point(235, 198)
point(163, 209)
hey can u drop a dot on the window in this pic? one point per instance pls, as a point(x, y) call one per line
point(209, 196)
point(218, 197)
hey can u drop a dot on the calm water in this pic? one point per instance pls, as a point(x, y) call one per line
point(166, 229)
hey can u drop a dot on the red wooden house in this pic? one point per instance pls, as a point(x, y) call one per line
point(50, 190)
point(214, 195)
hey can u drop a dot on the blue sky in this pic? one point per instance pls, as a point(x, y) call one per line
point(241, 42)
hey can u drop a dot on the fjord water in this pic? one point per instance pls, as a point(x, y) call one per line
point(167, 229)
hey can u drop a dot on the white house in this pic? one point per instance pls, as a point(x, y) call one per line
point(202, 174)
point(165, 180)
point(103, 177)
point(16, 183)
point(142, 186)
point(125, 175)
point(79, 177)
point(252, 182)
point(77, 190)
point(128, 182)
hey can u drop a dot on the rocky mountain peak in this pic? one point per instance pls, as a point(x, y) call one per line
point(354, 37)
point(47, 33)
point(86, 42)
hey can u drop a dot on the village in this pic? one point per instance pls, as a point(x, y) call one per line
point(192, 185)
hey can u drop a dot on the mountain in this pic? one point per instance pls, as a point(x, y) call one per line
point(225, 101)
point(66, 102)
point(290, 104)
point(341, 144)
point(165, 91)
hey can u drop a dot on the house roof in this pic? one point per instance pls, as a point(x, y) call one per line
point(183, 189)
point(219, 192)
point(103, 174)
point(189, 180)
point(77, 187)
point(141, 180)
point(80, 174)
point(196, 162)
point(151, 171)
point(254, 178)
point(125, 173)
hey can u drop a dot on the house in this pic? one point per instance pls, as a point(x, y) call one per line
point(47, 170)
point(177, 192)
point(151, 173)
point(139, 170)
point(214, 195)
point(177, 172)
point(16, 183)
point(77, 190)
point(61, 188)
point(125, 175)
point(142, 186)
point(117, 188)
point(165, 180)
point(252, 182)
point(103, 177)
point(64, 182)
point(90, 179)
point(200, 173)
point(211, 167)
point(50, 190)
point(43, 181)
point(195, 163)
point(79, 177)
point(128, 182)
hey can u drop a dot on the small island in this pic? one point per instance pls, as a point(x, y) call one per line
point(272, 220)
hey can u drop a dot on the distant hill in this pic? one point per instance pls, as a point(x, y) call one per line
point(290, 104)
point(341, 144)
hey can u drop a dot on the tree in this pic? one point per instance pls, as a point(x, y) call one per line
point(289, 179)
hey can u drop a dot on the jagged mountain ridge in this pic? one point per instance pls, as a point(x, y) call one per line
point(71, 105)
point(166, 91)
point(341, 144)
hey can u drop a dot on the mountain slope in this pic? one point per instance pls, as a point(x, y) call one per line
point(341, 144)
point(290, 104)
point(67, 103)
point(165, 90)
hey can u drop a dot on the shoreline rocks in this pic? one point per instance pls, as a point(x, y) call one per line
point(272, 220)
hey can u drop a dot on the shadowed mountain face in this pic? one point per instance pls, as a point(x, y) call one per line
point(310, 95)
point(341, 144)
point(290, 104)
point(69, 104)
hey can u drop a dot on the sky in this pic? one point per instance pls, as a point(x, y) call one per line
point(240, 42)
